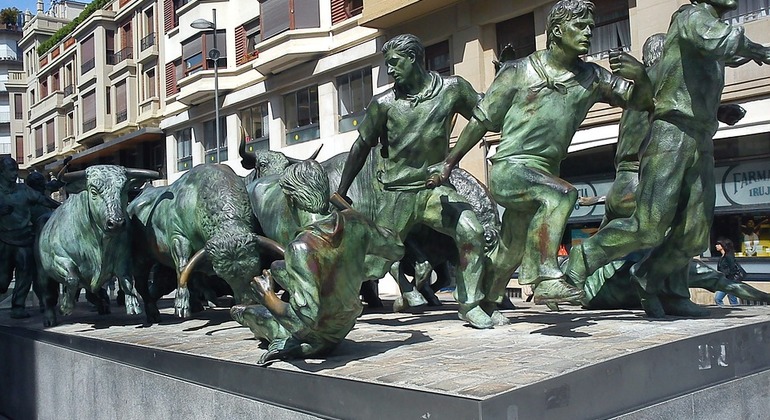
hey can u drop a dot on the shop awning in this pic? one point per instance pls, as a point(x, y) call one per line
point(111, 147)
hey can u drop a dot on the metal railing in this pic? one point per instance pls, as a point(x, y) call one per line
point(123, 54)
point(147, 41)
point(121, 116)
point(50, 147)
point(38, 152)
point(18, 115)
point(69, 90)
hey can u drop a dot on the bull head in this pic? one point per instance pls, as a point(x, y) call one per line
point(106, 188)
point(266, 162)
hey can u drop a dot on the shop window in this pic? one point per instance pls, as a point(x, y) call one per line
point(195, 52)
point(183, 149)
point(519, 33)
point(210, 143)
point(354, 91)
point(613, 30)
point(282, 15)
point(301, 111)
point(747, 11)
point(437, 58)
point(256, 122)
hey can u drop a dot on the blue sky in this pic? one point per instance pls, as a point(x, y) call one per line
point(28, 4)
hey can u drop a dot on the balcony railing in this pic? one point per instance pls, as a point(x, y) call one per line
point(88, 65)
point(123, 54)
point(38, 151)
point(121, 116)
point(50, 147)
point(89, 125)
point(147, 41)
point(18, 115)
point(69, 90)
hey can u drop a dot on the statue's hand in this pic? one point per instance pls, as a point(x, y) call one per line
point(5, 209)
point(439, 174)
point(261, 285)
point(626, 66)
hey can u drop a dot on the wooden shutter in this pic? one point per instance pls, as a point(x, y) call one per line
point(240, 45)
point(171, 88)
point(338, 11)
point(168, 15)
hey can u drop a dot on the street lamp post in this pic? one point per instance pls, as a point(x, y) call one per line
point(214, 55)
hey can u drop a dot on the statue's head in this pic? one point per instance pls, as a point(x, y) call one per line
point(653, 49)
point(570, 25)
point(722, 6)
point(306, 186)
point(9, 169)
point(36, 181)
point(404, 55)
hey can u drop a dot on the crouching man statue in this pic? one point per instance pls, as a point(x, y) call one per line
point(322, 271)
point(18, 205)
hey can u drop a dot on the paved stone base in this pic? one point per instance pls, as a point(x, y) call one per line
point(566, 365)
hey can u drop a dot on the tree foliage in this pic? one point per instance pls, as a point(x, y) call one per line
point(9, 15)
point(68, 28)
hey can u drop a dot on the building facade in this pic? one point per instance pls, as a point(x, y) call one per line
point(298, 74)
point(10, 66)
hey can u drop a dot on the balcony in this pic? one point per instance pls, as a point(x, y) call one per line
point(122, 55)
point(46, 106)
point(386, 14)
point(147, 41)
point(291, 48)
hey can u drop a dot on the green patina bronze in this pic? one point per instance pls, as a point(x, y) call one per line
point(411, 124)
point(676, 196)
point(537, 103)
point(20, 206)
point(322, 270)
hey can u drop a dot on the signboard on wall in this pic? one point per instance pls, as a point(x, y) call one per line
point(741, 184)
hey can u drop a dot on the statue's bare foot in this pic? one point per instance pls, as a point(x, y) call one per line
point(499, 319)
point(132, 305)
point(408, 300)
point(182, 302)
point(477, 318)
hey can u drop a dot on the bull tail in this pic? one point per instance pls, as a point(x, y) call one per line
point(195, 260)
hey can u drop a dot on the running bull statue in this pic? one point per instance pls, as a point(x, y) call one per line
point(204, 215)
point(85, 242)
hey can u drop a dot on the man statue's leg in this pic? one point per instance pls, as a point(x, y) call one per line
point(25, 276)
point(448, 213)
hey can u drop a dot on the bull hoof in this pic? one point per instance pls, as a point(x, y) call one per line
point(132, 305)
point(66, 307)
point(557, 291)
point(683, 307)
point(19, 313)
point(49, 319)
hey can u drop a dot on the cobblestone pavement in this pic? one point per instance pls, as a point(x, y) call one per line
point(430, 351)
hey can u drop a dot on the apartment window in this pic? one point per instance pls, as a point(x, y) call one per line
point(301, 111)
point(282, 15)
point(121, 102)
point(39, 141)
point(256, 122)
point(437, 58)
point(70, 124)
point(43, 87)
point(55, 83)
point(195, 50)
point(19, 150)
point(209, 142)
point(345, 9)
point(747, 11)
point(126, 43)
point(253, 36)
point(183, 149)
point(69, 87)
point(149, 30)
point(18, 106)
point(612, 29)
point(354, 91)
point(32, 96)
point(87, 55)
point(109, 46)
point(89, 111)
point(518, 32)
point(150, 84)
point(108, 100)
point(50, 137)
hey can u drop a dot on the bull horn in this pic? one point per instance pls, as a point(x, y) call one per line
point(142, 173)
point(248, 160)
point(272, 245)
point(194, 260)
point(73, 176)
point(312, 157)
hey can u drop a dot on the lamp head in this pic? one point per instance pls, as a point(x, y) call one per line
point(202, 24)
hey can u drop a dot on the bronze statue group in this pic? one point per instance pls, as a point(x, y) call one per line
point(399, 182)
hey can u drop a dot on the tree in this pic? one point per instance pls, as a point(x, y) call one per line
point(9, 15)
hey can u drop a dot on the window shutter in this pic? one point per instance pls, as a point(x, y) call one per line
point(171, 88)
point(338, 11)
point(240, 45)
point(275, 17)
point(168, 15)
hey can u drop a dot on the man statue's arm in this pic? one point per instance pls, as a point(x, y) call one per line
point(626, 66)
point(368, 135)
point(722, 40)
point(469, 137)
